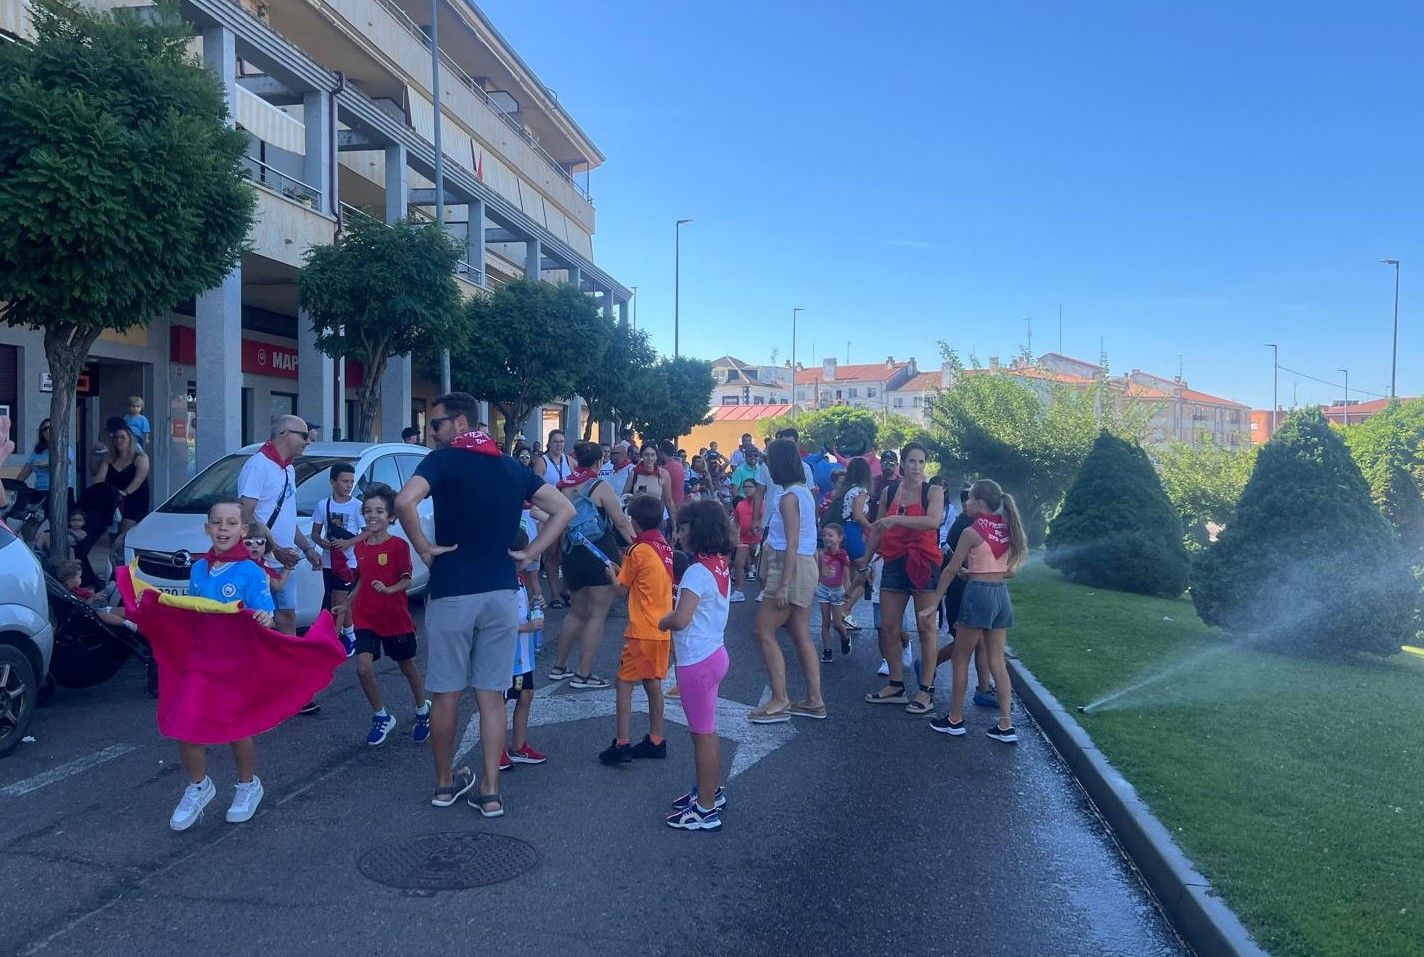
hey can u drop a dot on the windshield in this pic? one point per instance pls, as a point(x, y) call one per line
point(220, 479)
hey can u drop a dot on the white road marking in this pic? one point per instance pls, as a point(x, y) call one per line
point(67, 770)
point(754, 741)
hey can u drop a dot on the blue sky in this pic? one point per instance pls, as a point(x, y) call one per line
point(1188, 179)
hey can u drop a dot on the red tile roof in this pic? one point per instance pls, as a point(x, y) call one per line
point(871, 372)
point(1192, 395)
point(749, 413)
point(1361, 408)
point(924, 382)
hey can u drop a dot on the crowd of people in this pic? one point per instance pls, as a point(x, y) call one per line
point(584, 527)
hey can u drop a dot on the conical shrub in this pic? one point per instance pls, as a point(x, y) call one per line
point(1308, 565)
point(1117, 528)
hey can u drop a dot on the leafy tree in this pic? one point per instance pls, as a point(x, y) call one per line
point(122, 194)
point(610, 386)
point(846, 428)
point(1309, 564)
point(670, 399)
point(897, 431)
point(1204, 483)
point(380, 291)
point(528, 343)
point(1117, 528)
point(1389, 448)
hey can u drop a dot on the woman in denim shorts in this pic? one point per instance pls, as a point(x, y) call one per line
point(990, 551)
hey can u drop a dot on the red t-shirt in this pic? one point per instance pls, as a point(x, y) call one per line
point(387, 614)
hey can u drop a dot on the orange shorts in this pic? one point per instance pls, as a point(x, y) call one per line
point(643, 659)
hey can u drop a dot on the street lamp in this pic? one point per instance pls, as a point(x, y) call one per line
point(1394, 349)
point(1347, 394)
point(793, 351)
point(677, 282)
point(1275, 379)
point(635, 306)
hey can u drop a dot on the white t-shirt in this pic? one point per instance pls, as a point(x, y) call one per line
point(773, 491)
point(264, 480)
point(524, 641)
point(618, 478)
point(345, 515)
point(776, 529)
point(703, 635)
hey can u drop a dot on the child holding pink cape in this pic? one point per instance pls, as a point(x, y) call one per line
point(224, 675)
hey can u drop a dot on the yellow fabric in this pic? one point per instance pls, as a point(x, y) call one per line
point(191, 602)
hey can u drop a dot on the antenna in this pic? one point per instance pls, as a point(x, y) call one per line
point(847, 352)
point(1028, 321)
point(1179, 367)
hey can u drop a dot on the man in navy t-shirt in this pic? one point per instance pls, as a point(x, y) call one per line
point(471, 617)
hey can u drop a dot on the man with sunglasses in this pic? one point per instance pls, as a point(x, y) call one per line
point(267, 489)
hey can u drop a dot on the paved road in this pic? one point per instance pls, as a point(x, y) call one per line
point(859, 834)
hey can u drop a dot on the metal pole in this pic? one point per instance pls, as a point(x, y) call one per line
point(635, 306)
point(439, 158)
point(1394, 348)
point(793, 358)
point(1275, 379)
point(1347, 395)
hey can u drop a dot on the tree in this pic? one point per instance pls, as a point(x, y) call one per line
point(1117, 528)
point(380, 291)
point(528, 343)
point(897, 431)
point(122, 194)
point(1389, 448)
point(670, 399)
point(1204, 483)
point(845, 428)
point(1308, 564)
point(609, 386)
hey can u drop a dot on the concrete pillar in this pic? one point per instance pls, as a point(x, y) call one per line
point(316, 377)
point(485, 413)
point(220, 56)
point(533, 427)
point(574, 426)
point(395, 400)
point(475, 256)
point(316, 164)
point(218, 318)
point(397, 183)
point(532, 252)
point(623, 312)
point(576, 277)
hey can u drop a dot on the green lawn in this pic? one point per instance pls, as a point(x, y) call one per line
point(1296, 786)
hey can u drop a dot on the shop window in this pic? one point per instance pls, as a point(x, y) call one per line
point(10, 391)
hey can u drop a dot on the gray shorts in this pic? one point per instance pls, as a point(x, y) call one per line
point(470, 641)
point(986, 605)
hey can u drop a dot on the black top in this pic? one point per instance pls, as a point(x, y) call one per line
point(478, 502)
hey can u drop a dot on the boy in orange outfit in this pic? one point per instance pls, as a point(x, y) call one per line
point(646, 578)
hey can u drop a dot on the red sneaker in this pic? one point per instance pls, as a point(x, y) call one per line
point(526, 755)
point(504, 763)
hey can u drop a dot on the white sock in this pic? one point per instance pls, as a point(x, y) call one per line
point(382, 714)
point(424, 709)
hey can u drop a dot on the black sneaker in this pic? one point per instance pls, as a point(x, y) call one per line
point(946, 726)
point(616, 754)
point(646, 749)
point(826, 656)
point(845, 644)
point(311, 707)
point(1006, 735)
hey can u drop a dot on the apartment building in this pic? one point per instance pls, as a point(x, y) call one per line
point(914, 397)
point(336, 98)
point(739, 383)
point(867, 386)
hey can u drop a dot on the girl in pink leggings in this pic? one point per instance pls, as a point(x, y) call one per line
point(697, 624)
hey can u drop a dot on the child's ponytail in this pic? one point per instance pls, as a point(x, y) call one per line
point(1018, 540)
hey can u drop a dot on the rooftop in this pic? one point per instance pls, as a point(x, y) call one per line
point(869, 372)
point(750, 413)
point(924, 382)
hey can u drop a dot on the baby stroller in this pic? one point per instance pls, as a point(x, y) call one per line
point(87, 650)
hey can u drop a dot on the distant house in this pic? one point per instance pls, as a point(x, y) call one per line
point(730, 422)
point(870, 386)
point(739, 383)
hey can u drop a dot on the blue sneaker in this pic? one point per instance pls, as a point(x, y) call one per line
point(987, 699)
point(421, 731)
point(381, 727)
point(695, 819)
point(348, 643)
point(687, 800)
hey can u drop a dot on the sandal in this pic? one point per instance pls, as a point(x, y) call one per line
point(478, 802)
point(919, 707)
point(894, 697)
point(450, 793)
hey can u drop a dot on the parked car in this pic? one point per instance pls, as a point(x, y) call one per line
point(26, 637)
point(171, 536)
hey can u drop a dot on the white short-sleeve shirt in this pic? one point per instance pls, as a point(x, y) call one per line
point(703, 635)
point(263, 480)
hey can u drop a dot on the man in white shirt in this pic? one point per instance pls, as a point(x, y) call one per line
point(267, 489)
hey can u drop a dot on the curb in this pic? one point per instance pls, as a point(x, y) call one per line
point(1203, 920)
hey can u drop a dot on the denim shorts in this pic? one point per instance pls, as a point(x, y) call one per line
point(827, 594)
point(986, 605)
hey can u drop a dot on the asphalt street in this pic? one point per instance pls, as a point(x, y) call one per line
point(863, 833)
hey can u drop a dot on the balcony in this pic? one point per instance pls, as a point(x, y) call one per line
point(287, 223)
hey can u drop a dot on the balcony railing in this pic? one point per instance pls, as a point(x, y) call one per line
point(419, 33)
point(463, 268)
point(284, 183)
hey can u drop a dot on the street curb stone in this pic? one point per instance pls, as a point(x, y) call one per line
point(1204, 921)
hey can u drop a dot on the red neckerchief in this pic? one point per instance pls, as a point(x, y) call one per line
point(475, 441)
point(235, 554)
point(994, 529)
point(577, 477)
point(270, 450)
point(655, 540)
point(841, 557)
point(642, 469)
point(717, 565)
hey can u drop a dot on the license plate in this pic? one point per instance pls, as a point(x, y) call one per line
point(172, 591)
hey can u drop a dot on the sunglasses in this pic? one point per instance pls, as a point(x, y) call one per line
point(304, 435)
point(434, 424)
point(254, 542)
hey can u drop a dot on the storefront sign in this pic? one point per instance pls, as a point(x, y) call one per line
point(46, 382)
point(258, 358)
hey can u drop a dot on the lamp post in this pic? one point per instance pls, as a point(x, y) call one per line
point(635, 306)
point(677, 283)
point(1394, 348)
point(793, 353)
point(1275, 379)
point(439, 159)
point(1347, 394)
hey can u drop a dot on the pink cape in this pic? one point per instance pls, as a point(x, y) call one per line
point(222, 676)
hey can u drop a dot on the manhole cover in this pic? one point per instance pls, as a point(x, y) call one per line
point(437, 862)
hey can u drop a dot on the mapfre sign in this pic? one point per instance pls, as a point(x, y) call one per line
point(263, 358)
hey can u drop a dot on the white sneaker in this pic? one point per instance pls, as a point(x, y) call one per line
point(761, 595)
point(190, 808)
point(245, 801)
point(884, 668)
point(736, 596)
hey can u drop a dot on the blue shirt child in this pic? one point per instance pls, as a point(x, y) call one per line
point(240, 581)
point(138, 425)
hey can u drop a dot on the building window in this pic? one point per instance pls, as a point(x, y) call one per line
point(759, 401)
point(826, 397)
point(870, 393)
point(730, 400)
point(899, 402)
point(839, 396)
point(918, 401)
point(854, 392)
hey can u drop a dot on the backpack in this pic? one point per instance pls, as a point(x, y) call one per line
point(894, 492)
point(588, 522)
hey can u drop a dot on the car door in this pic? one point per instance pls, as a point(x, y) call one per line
point(386, 470)
point(407, 462)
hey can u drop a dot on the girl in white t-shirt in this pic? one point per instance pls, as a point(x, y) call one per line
point(697, 624)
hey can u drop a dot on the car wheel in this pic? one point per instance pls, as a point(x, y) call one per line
point(18, 691)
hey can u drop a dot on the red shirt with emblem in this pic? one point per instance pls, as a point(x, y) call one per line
point(386, 614)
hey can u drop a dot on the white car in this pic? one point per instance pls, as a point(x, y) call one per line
point(171, 536)
point(26, 637)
